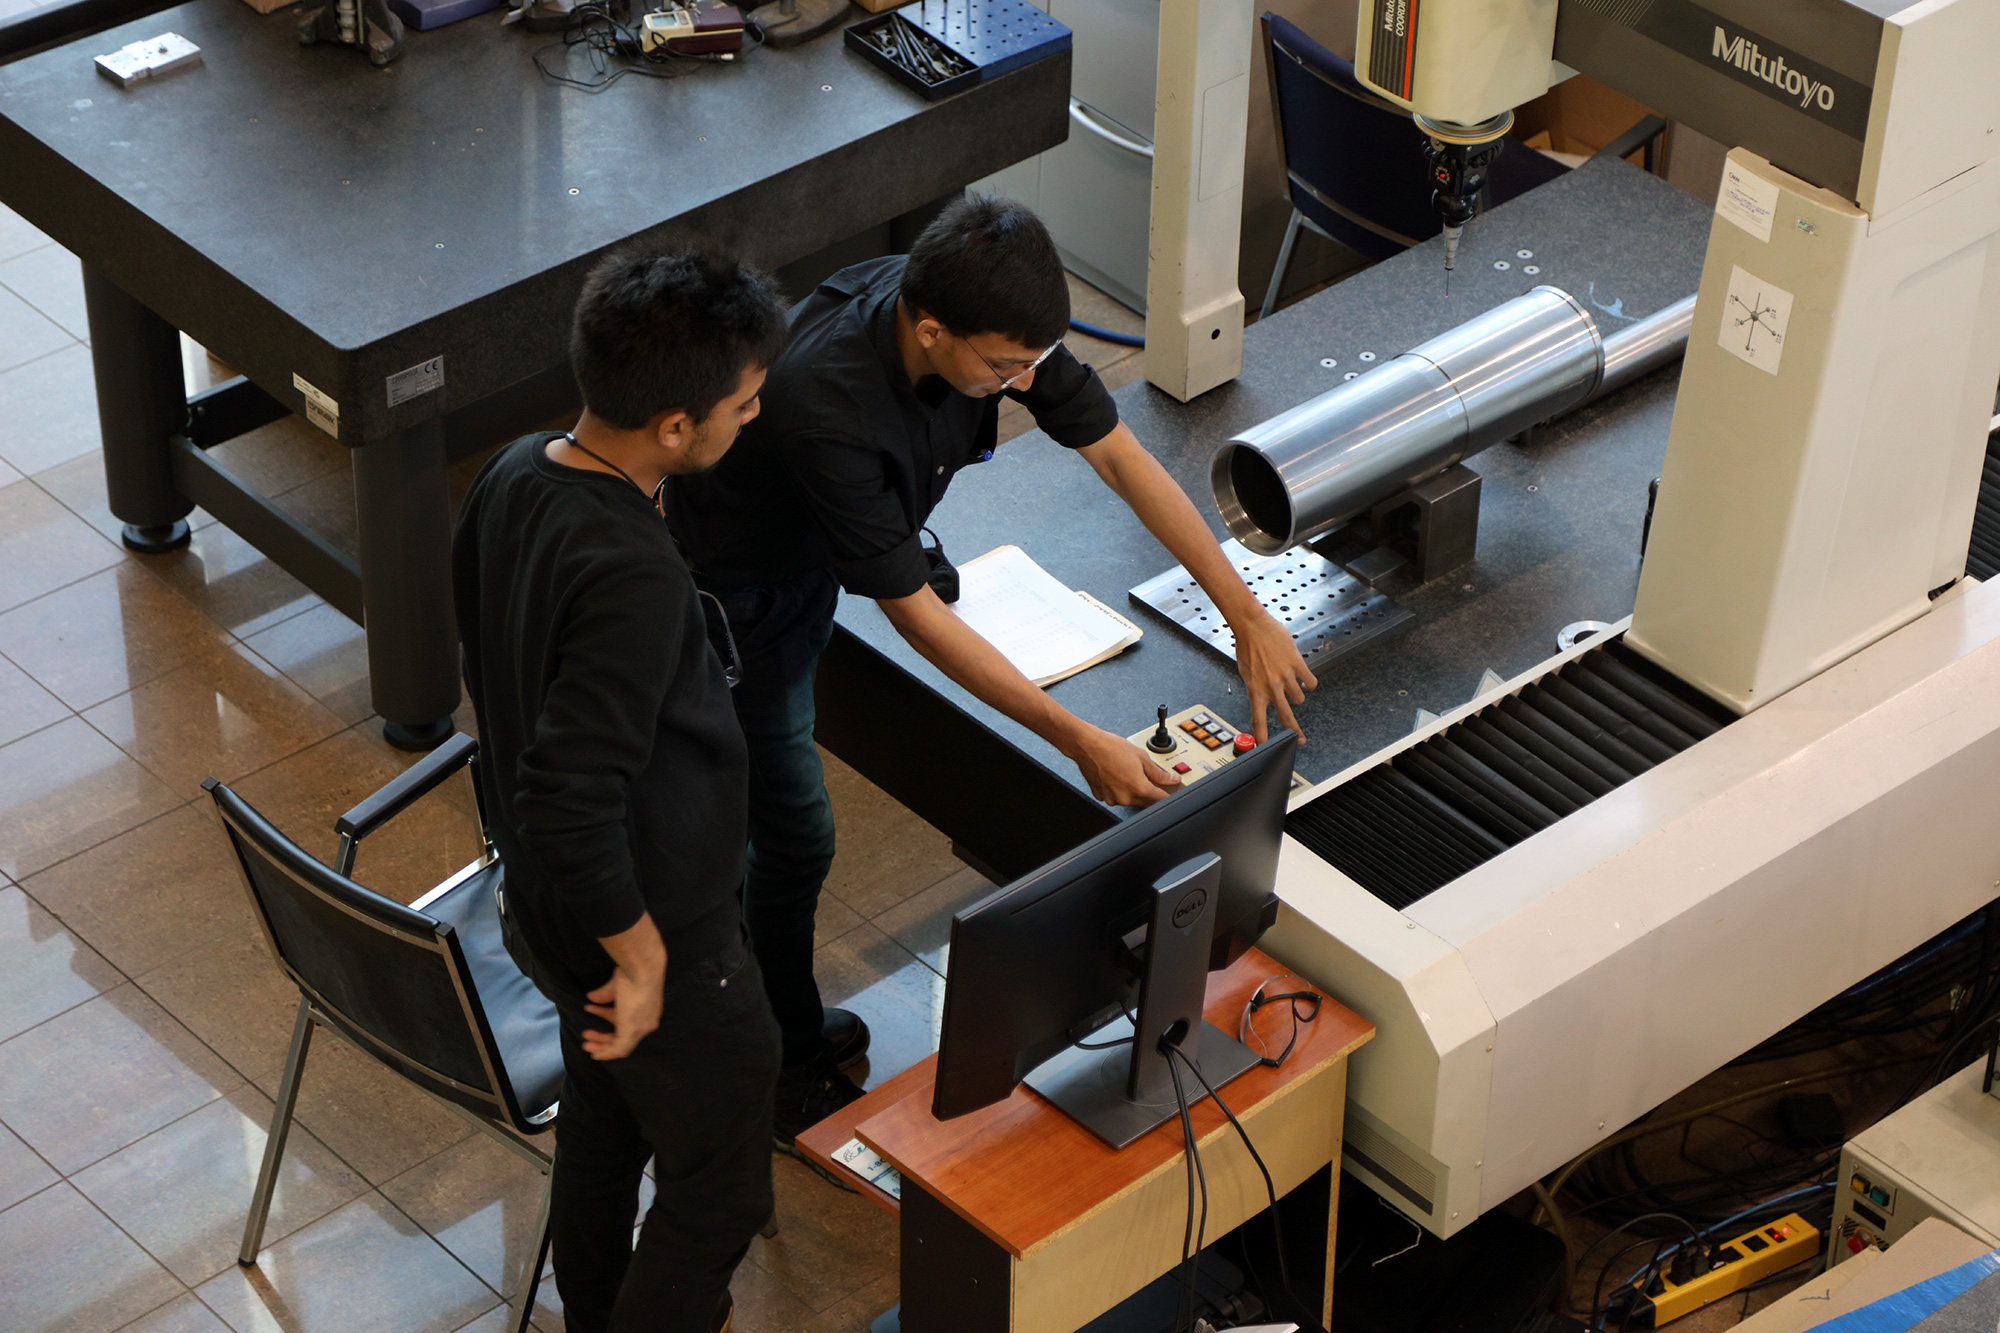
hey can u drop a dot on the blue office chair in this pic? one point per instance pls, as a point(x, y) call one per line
point(1354, 164)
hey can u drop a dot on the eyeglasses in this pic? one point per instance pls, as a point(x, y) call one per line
point(732, 663)
point(1008, 381)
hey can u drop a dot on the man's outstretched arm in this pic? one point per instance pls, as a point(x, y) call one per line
point(1272, 670)
point(1118, 773)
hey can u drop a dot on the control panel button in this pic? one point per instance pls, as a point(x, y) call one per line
point(1211, 743)
point(1245, 742)
point(1856, 1245)
point(1182, 767)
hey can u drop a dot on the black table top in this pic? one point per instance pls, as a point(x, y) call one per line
point(298, 210)
point(1559, 520)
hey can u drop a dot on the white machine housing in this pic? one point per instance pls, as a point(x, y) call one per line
point(1589, 973)
point(1937, 1157)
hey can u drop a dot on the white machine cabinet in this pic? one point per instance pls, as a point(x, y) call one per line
point(1937, 1157)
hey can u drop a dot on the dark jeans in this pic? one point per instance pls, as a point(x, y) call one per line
point(694, 1097)
point(780, 629)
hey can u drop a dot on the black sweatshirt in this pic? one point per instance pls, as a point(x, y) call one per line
point(614, 771)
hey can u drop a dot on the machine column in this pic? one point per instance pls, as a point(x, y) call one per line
point(405, 520)
point(141, 401)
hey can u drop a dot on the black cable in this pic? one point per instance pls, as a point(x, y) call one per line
point(596, 28)
point(1270, 1191)
point(1184, 1312)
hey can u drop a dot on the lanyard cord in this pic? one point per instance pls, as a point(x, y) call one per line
point(578, 445)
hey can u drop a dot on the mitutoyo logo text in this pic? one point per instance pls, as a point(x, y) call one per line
point(1745, 55)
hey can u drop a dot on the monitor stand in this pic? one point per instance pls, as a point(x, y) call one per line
point(1121, 1093)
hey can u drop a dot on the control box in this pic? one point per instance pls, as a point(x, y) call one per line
point(1937, 1157)
point(1201, 743)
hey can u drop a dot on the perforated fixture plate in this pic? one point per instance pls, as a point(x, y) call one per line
point(1328, 611)
point(992, 36)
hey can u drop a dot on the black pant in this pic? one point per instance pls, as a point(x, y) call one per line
point(780, 630)
point(694, 1097)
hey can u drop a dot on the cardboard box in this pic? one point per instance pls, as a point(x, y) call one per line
point(1934, 1247)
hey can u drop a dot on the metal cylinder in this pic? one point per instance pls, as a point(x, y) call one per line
point(1645, 346)
point(1310, 469)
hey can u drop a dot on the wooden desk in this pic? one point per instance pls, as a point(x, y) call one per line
point(1016, 1219)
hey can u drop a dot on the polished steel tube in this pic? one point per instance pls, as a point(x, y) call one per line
point(1307, 470)
point(1646, 346)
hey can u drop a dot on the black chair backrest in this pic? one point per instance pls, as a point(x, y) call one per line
point(392, 979)
point(1354, 163)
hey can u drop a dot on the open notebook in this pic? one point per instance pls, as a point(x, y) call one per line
point(1046, 630)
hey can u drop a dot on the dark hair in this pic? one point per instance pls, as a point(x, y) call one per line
point(655, 331)
point(989, 266)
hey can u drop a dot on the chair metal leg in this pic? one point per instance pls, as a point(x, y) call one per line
point(1284, 262)
point(770, 1227)
point(522, 1308)
point(274, 1144)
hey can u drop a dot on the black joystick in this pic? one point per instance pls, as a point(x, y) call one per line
point(1160, 742)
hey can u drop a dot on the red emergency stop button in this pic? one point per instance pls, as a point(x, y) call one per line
point(1245, 742)
point(1856, 1245)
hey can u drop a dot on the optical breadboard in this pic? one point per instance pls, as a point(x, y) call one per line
point(1937, 1157)
point(1326, 610)
point(987, 38)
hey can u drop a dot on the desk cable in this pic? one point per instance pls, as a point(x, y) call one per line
point(1310, 1321)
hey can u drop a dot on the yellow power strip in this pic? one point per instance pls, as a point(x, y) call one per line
point(1751, 1256)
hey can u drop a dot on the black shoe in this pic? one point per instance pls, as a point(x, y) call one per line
point(724, 1313)
point(806, 1095)
point(846, 1037)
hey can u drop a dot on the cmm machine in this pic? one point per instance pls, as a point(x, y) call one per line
point(1594, 884)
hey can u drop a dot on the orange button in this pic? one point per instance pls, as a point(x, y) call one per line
point(1212, 743)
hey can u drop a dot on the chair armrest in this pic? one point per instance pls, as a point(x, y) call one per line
point(415, 781)
point(1644, 134)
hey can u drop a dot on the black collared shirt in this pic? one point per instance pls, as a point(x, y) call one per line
point(847, 459)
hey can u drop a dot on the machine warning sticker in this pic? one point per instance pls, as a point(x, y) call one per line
point(1747, 199)
point(321, 409)
point(1754, 317)
point(420, 379)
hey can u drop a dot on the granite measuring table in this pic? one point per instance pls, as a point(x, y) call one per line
point(1558, 537)
point(394, 253)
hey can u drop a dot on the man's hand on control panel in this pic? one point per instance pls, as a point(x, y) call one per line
point(1273, 671)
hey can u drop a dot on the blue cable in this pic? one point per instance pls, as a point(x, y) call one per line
point(1108, 335)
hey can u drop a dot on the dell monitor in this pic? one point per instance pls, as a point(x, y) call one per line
point(1123, 929)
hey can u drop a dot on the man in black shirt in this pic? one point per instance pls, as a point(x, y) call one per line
point(614, 776)
point(889, 386)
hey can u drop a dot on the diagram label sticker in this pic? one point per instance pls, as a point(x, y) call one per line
point(1747, 199)
point(420, 379)
point(321, 409)
point(1754, 317)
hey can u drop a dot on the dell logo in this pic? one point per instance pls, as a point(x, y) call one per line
point(1189, 909)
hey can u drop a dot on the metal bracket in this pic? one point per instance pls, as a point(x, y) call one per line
point(1436, 520)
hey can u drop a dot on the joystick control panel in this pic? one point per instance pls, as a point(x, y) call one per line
point(1195, 742)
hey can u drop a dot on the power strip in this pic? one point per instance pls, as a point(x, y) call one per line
point(1750, 1257)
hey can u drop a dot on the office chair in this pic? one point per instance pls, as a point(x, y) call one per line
point(1354, 164)
point(428, 990)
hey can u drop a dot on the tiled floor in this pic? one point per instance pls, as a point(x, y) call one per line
point(142, 1025)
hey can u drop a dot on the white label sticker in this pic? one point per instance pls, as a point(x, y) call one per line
point(1754, 317)
point(1747, 199)
point(420, 379)
point(321, 409)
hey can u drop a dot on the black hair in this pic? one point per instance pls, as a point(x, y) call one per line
point(989, 266)
point(662, 330)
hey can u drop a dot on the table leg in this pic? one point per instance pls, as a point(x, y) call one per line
point(954, 1279)
point(141, 401)
point(404, 513)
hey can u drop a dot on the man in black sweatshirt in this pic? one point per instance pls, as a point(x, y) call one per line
point(615, 780)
